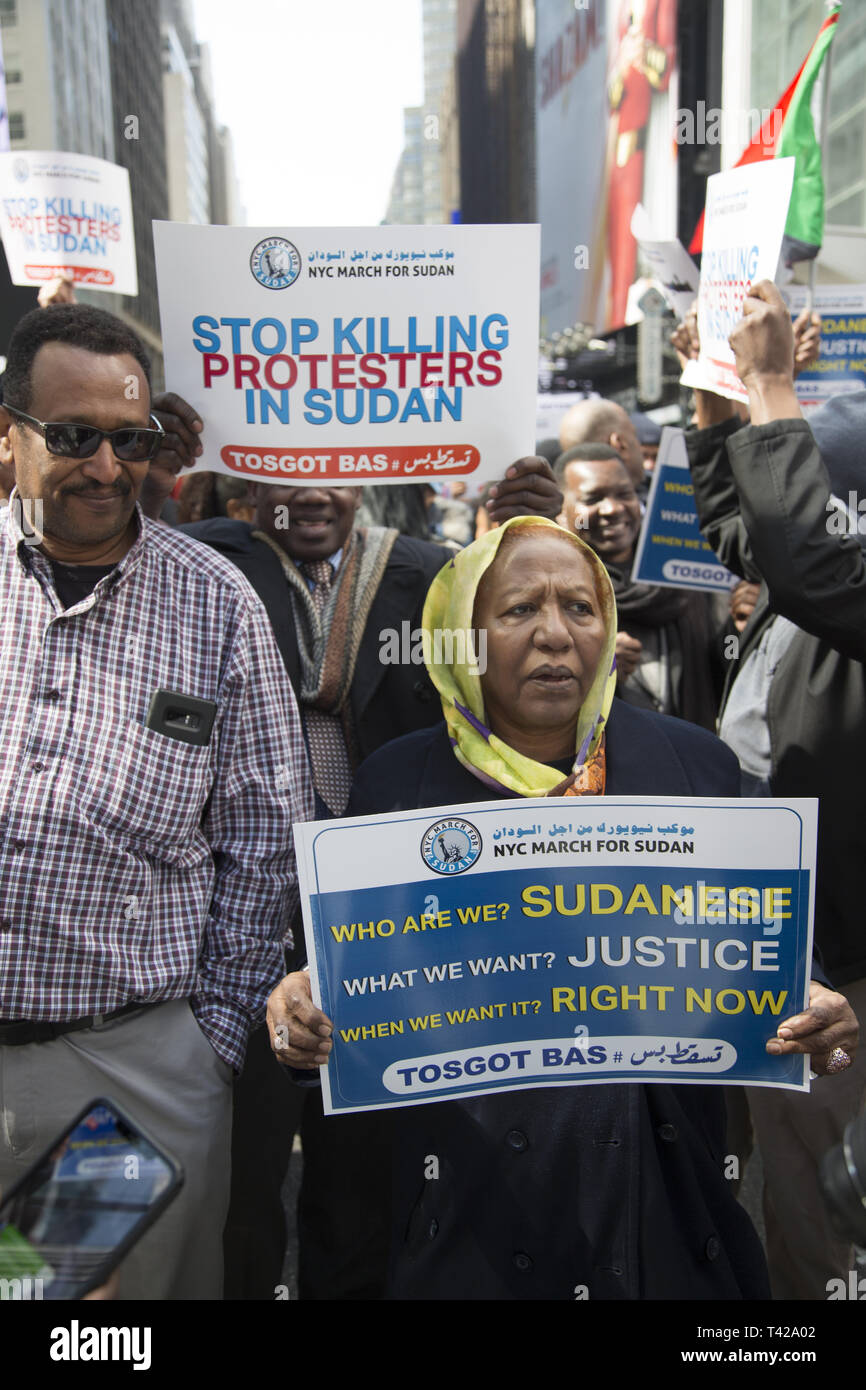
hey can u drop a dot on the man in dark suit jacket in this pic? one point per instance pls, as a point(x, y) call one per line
point(387, 698)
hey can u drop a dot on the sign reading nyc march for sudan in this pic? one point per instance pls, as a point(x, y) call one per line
point(530, 943)
point(353, 355)
point(67, 214)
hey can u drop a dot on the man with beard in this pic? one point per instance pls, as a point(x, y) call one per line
point(147, 875)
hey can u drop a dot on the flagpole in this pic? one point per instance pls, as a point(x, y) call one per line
point(826, 70)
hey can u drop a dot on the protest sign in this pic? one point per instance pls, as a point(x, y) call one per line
point(746, 210)
point(67, 214)
point(670, 548)
point(354, 355)
point(669, 263)
point(841, 364)
point(525, 943)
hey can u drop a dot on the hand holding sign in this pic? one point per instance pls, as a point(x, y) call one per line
point(807, 340)
point(686, 339)
point(827, 1024)
point(181, 448)
point(763, 340)
point(763, 345)
point(57, 291)
point(528, 489)
point(300, 1033)
point(710, 409)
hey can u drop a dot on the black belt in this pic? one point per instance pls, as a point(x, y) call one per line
point(18, 1032)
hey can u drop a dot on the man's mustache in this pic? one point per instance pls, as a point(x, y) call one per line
point(119, 490)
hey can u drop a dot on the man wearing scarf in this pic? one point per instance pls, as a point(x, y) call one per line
point(667, 650)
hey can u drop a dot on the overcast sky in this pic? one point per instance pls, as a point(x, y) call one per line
point(313, 92)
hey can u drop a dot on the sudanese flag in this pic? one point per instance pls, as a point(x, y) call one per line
point(794, 135)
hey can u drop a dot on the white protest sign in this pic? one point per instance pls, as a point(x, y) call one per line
point(745, 219)
point(67, 214)
point(669, 263)
point(353, 355)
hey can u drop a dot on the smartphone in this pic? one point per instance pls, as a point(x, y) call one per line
point(74, 1215)
point(183, 717)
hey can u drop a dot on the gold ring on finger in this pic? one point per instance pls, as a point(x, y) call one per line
point(838, 1060)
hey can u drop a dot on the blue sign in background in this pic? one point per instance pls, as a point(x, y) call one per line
point(671, 549)
point(383, 997)
point(841, 364)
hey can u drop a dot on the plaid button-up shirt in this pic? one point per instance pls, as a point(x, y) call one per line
point(134, 866)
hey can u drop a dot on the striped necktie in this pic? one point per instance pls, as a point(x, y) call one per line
point(332, 774)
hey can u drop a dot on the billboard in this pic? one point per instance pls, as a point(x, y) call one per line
point(606, 94)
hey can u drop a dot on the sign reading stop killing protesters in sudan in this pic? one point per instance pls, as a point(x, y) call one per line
point(70, 215)
point(519, 944)
point(354, 355)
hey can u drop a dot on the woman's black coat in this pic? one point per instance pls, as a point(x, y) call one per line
point(605, 1192)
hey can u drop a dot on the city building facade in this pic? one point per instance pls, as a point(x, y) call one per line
point(406, 201)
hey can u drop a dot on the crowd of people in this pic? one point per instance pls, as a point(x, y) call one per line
point(149, 912)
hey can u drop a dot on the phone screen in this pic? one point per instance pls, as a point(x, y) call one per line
point(78, 1205)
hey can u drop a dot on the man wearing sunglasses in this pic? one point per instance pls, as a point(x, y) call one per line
point(151, 766)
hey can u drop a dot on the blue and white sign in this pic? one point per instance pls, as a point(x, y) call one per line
point(589, 940)
point(841, 364)
point(346, 355)
point(67, 214)
point(671, 549)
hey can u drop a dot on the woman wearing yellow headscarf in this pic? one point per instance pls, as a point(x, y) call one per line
point(606, 1191)
point(463, 599)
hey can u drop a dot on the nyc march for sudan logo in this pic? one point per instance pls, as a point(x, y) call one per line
point(275, 263)
point(451, 845)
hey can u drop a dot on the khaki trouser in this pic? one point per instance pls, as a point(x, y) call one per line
point(160, 1068)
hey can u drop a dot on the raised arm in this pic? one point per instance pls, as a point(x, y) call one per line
point(815, 574)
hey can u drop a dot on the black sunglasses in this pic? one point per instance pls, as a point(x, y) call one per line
point(73, 441)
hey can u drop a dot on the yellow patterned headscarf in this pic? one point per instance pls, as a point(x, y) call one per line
point(449, 610)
